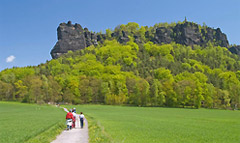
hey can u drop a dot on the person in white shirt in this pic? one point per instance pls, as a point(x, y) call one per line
point(75, 117)
point(81, 116)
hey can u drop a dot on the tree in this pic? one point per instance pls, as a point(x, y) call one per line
point(158, 95)
point(21, 90)
point(108, 33)
point(54, 92)
point(35, 90)
point(6, 91)
point(163, 74)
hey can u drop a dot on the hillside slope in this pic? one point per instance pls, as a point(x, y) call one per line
point(136, 71)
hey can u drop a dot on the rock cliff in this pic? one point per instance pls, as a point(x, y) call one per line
point(235, 49)
point(189, 33)
point(74, 37)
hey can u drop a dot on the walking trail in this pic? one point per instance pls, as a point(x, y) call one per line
point(76, 135)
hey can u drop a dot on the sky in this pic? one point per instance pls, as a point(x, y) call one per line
point(28, 28)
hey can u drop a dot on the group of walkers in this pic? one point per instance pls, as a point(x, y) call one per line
point(71, 118)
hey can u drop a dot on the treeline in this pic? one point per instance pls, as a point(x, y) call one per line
point(143, 74)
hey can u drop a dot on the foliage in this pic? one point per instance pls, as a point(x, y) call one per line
point(141, 74)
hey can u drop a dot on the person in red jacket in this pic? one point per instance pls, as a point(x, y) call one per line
point(69, 120)
point(69, 115)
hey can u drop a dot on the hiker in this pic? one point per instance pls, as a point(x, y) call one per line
point(69, 119)
point(81, 116)
point(74, 110)
point(69, 115)
point(74, 116)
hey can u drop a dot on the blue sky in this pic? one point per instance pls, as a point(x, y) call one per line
point(28, 27)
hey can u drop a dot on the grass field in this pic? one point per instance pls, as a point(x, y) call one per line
point(26, 122)
point(166, 125)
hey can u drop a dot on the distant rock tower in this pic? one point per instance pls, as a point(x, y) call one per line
point(71, 38)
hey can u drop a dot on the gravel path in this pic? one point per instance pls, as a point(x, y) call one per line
point(76, 135)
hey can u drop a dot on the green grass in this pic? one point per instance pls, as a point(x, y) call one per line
point(48, 135)
point(29, 123)
point(164, 125)
point(96, 131)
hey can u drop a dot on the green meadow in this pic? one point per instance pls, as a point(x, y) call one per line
point(35, 123)
point(162, 125)
point(29, 123)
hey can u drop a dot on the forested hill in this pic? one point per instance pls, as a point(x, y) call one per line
point(130, 66)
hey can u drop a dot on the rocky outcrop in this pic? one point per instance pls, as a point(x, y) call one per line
point(210, 34)
point(74, 37)
point(121, 36)
point(221, 38)
point(235, 49)
point(90, 38)
point(163, 35)
point(189, 33)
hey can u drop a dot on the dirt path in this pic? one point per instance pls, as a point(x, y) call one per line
point(76, 135)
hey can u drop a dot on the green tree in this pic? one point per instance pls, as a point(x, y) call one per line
point(21, 90)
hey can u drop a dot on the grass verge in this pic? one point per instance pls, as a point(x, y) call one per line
point(48, 135)
point(96, 132)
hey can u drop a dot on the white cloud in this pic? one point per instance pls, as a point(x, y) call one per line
point(10, 59)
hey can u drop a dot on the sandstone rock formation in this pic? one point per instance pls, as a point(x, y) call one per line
point(189, 33)
point(163, 35)
point(235, 49)
point(74, 37)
